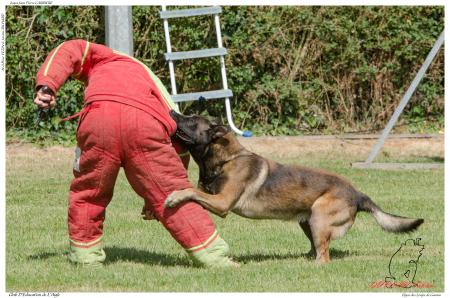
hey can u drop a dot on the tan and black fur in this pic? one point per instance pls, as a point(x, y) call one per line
point(235, 179)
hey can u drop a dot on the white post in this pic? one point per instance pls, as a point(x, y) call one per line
point(169, 50)
point(224, 78)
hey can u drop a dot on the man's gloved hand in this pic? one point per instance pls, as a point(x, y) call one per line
point(45, 98)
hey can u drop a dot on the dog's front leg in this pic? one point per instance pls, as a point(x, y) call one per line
point(179, 196)
point(217, 204)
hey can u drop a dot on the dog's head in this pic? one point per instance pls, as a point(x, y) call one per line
point(196, 131)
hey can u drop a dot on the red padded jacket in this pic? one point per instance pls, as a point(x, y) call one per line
point(108, 75)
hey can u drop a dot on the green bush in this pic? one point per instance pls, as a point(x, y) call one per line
point(292, 70)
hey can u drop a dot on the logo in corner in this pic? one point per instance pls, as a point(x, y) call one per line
point(403, 264)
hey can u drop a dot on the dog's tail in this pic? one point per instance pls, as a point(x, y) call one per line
point(388, 222)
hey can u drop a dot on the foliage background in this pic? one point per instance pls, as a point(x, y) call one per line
point(293, 70)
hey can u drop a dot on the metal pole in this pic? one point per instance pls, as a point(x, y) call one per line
point(119, 28)
point(169, 50)
point(224, 81)
point(406, 98)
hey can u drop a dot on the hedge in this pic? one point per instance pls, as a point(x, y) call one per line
point(293, 70)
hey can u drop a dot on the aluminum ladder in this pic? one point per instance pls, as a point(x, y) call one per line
point(204, 53)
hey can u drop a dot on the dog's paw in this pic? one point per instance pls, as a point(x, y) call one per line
point(177, 197)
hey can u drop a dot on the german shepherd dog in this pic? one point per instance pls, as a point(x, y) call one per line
point(235, 179)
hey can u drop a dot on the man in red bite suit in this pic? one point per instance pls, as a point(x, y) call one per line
point(125, 123)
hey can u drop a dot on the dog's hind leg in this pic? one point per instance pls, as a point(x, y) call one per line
point(331, 217)
point(321, 238)
point(307, 230)
point(321, 229)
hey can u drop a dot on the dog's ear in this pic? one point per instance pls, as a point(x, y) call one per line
point(218, 131)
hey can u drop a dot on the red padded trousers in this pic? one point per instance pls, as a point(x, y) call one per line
point(113, 135)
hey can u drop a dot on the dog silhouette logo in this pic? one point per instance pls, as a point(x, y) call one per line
point(403, 264)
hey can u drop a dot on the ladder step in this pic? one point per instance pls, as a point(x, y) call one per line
point(180, 13)
point(225, 93)
point(195, 54)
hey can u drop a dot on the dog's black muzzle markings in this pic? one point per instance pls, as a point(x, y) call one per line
point(181, 133)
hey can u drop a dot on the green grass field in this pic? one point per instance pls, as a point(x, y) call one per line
point(142, 257)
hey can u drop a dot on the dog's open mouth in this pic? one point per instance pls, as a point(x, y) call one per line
point(184, 136)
